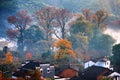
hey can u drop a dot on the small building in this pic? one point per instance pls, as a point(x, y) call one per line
point(67, 71)
point(93, 72)
point(102, 62)
point(47, 70)
point(89, 64)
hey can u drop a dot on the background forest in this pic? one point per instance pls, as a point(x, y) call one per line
point(38, 29)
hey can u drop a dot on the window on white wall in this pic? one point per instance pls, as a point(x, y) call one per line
point(41, 70)
point(48, 70)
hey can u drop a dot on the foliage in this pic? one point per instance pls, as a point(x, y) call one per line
point(44, 17)
point(101, 44)
point(81, 31)
point(35, 75)
point(99, 18)
point(33, 34)
point(28, 56)
point(33, 38)
point(116, 57)
point(82, 26)
point(9, 58)
point(89, 39)
point(20, 22)
point(62, 16)
point(87, 14)
point(64, 49)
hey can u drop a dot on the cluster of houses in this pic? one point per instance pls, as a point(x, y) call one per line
point(92, 70)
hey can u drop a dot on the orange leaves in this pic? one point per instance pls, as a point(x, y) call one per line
point(64, 49)
point(63, 43)
point(28, 56)
point(9, 58)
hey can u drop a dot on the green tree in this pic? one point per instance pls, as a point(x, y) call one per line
point(80, 34)
point(33, 35)
point(116, 57)
point(101, 44)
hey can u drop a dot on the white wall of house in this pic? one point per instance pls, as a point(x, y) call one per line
point(105, 64)
point(88, 64)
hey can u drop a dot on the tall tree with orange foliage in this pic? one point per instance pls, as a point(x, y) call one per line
point(9, 58)
point(64, 49)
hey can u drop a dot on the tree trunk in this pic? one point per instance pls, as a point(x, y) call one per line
point(63, 32)
point(20, 41)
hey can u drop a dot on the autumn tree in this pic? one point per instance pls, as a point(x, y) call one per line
point(28, 56)
point(64, 49)
point(20, 21)
point(44, 18)
point(99, 18)
point(81, 33)
point(62, 16)
point(9, 58)
point(86, 13)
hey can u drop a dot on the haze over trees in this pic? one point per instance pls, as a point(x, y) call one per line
point(57, 31)
point(83, 30)
point(82, 26)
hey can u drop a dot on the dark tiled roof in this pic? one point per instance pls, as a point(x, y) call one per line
point(31, 65)
point(20, 73)
point(75, 78)
point(93, 72)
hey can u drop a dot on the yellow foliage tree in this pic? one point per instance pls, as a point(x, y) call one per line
point(9, 58)
point(64, 49)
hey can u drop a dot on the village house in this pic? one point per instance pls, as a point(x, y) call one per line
point(104, 62)
point(67, 71)
point(93, 72)
point(47, 70)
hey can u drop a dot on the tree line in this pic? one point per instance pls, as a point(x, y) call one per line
point(38, 33)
